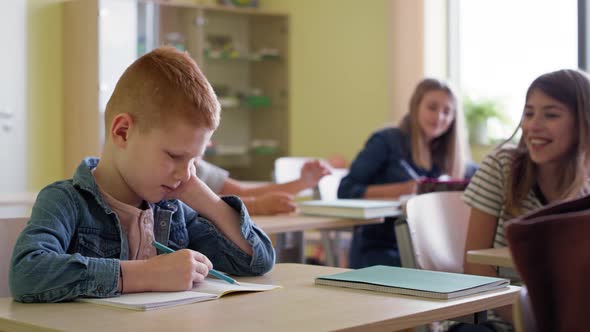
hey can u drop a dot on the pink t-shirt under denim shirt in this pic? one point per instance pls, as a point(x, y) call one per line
point(137, 224)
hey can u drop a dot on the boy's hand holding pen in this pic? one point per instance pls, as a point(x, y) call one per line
point(165, 273)
point(212, 271)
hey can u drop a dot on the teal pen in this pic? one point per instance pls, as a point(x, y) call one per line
point(411, 172)
point(213, 272)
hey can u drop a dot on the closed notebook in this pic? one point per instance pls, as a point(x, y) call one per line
point(210, 289)
point(351, 208)
point(423, 283)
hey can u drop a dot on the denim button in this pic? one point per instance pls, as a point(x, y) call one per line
point(181, 241)
point(163, 223)
point(99, 288)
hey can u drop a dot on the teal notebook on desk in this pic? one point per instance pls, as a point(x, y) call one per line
point(423, 283)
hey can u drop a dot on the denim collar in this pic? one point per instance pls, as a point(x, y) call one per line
point(84, 180)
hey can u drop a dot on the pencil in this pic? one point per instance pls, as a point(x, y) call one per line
point(213, 272)
point(411, 172)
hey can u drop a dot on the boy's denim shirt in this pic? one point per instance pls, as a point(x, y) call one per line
point(73, 243)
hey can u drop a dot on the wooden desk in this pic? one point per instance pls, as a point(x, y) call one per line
point(291, 246)
point(494, 256)
point(298, 306)
point(16, 204)
point(24, 198)
point(296, 222)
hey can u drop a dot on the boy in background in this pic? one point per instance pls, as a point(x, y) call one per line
point(91, 235)
point(264, 199)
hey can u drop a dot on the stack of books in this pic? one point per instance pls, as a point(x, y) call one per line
point(351, 208)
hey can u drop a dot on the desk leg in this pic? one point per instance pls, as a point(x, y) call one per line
point(474, 319)
point(480, 317)
point(290, 247)
point(329, 250)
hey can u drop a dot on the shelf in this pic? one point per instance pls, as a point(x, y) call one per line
point(232, 103)
point(230, 160)
point(250, 167)
point(254, 102)
point(244, 59)
point(257, 37)
point(249, 154)
point(197, 4)
point(278, 108)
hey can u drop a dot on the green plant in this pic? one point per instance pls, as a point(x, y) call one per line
point(477, 114)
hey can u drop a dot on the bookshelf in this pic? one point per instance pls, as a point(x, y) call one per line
point(243, 53)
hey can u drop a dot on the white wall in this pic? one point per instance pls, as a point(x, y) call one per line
point(13, 145)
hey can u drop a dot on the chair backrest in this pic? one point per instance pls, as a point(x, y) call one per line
point(522, 313)
point(289, 169)
point(328, 185)
point(551, 253)
point(437, 224)
point(10, 228)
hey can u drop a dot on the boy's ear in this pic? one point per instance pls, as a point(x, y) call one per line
point(120, 129)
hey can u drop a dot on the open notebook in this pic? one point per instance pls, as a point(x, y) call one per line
point(423, 283)
point(210, 289)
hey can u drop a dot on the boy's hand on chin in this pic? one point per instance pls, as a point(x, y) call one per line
point(185, 186)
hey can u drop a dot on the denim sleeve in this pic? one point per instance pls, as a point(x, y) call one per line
point(363, 169)
point(41, 270)
point(223, 253)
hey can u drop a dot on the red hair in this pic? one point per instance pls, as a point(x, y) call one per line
point(162, 85)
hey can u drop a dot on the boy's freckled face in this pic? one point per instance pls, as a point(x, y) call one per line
point(158, 161)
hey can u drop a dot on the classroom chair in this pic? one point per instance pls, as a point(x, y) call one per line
point(288, 169)
point(328, 185)
point(10, 228)
point(335, 242)
point(551, 253)
point(433, 234)
point(524, 319)
point(290, 247)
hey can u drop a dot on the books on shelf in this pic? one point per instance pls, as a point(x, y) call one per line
point(351, 208)
point(210, 289)
point(404, 281)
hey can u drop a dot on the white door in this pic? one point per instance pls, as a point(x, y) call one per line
point(13, 145)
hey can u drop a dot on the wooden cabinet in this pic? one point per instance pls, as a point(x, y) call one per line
point(243, 53)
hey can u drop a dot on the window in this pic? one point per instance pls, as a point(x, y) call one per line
point(502, 45)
